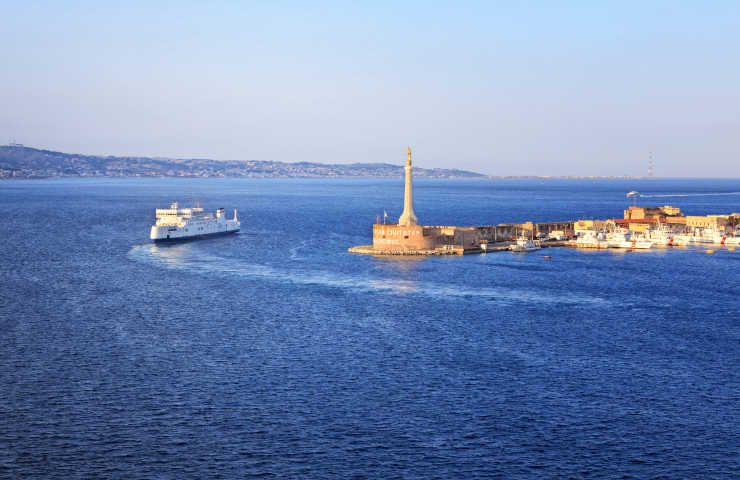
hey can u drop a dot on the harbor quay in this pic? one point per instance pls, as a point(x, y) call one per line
point(641, 227)
point(391, 239)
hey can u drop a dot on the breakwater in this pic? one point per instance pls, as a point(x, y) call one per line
point(419, 240)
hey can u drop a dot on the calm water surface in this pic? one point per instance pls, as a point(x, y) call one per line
point(275, 353)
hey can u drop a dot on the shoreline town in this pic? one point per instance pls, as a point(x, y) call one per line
point(642, 227)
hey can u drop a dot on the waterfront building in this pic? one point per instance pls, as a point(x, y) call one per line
point(584, 226)
point(714, 222)
point(662, 214)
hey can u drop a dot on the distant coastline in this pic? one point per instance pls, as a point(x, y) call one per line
point(23, 162)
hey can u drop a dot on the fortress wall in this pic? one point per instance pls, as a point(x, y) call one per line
point(411, 237)
point(419, 237)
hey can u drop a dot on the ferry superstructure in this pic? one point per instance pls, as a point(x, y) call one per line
point(175, 223)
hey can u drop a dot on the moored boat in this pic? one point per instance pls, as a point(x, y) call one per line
point(619, 239)
point(732, 241)
point(525, 244)
point(625, 239)
point(641, 243)
point(662, 236)
point(682, 239)
point(592, 239)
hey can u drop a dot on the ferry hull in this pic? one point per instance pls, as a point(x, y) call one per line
point(193, 237)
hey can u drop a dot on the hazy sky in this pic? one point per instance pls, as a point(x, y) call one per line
point(548, 88)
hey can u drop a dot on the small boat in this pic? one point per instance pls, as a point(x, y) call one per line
point(623, 238)
point(547, 257)
point(619, 239)
point(592, 239)
point(557, 235)
point(709, 251)
point(632, 193)
point(709, 235)
point(662, 236)
point(524, 244)
point(641, 243)
point(682, 239)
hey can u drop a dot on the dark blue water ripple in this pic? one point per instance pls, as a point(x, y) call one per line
point(277, 354)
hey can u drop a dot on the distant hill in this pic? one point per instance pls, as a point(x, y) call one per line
point(19, 161)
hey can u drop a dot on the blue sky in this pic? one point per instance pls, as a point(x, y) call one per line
point(546, 88)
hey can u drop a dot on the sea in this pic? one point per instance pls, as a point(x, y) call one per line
point(275, 353)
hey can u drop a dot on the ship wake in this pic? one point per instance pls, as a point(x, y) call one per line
point(190, 260)
point(670, 195)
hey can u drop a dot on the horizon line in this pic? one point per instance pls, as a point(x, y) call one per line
point(13, 144)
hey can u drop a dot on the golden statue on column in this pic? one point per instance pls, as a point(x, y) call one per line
point(407, 216)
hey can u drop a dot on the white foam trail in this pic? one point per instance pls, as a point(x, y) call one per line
point(294, 251)
point(661, 195)
point(184, 259)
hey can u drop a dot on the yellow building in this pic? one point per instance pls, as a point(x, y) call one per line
point(586, 225)
point(403, 237)
point(717, 222)
point(671, 211)
point(661, 214)
point(638, 226)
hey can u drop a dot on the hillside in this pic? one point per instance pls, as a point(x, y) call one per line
point(18, 161)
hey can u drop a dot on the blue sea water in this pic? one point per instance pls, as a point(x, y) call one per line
point(275, 353)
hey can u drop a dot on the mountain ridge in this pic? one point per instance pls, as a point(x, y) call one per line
point(20, 161)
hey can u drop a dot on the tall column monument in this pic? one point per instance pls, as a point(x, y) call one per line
point(408, 217)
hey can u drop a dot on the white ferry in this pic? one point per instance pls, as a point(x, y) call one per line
point(177, 223)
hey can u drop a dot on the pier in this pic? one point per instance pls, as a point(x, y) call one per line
point(502, 246)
